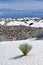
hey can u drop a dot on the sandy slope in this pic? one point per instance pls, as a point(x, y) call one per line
point(9, 52)
point(35, 23)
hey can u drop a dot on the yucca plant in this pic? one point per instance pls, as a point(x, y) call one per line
point(25, 48)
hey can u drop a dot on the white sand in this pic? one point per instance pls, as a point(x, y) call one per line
point(25, 23)
point(10, 50)
point(35, 23)
point(2, 22)
point(15, 23)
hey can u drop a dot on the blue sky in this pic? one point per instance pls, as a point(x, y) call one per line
point(8, 7)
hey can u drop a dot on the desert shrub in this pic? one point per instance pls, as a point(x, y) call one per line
point(39, 35)
point(25, 48)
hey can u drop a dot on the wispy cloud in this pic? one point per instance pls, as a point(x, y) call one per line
point(24, 5)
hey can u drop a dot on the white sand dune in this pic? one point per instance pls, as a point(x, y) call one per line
point(9, 51)
point(16, 23)
point(35, 23)
point(13, 22)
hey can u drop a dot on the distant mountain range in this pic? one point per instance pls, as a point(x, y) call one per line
point(6, 13)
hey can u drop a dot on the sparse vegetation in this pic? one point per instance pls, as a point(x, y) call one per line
point(25, 48)
point(3, 38)
point(39, 35)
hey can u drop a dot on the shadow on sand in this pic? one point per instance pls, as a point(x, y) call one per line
point(17, 57)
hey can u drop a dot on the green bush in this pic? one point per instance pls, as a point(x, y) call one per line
point(25, 48)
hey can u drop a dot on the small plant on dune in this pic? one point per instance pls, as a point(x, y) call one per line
point(25, 48)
